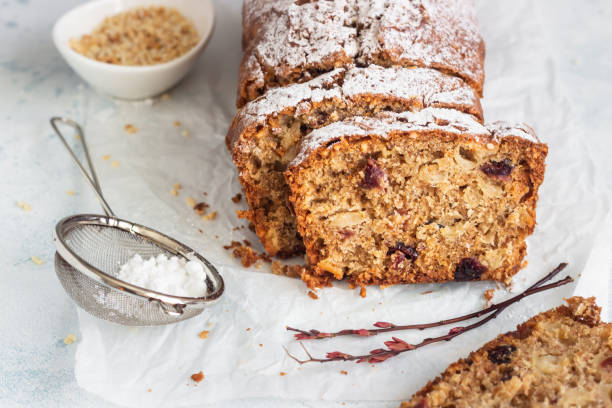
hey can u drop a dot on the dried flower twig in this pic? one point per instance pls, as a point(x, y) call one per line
point(396, 346)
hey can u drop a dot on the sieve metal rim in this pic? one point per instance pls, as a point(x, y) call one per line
point(176, 302)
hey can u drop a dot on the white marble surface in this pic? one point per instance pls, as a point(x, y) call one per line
point(36, 367)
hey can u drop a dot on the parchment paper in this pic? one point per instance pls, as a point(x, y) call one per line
point(243, 355)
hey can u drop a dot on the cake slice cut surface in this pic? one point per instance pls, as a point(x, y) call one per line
point(265, 133)
point(559, 358)
point(415, 197)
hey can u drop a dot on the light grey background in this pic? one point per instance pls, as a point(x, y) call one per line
point(36, 368)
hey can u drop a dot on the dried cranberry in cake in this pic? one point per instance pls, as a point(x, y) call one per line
point(507, 374)
point(499, 169)
point(373, 175)
point(502, 354)
point(607, 363)
point(469, 269)
point(408, 251)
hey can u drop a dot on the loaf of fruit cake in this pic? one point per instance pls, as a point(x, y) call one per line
point(415, 197)
point(264, 135)
point(559, 358)
point(289, 41)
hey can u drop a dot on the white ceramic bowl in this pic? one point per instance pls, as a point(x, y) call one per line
point(130, 82)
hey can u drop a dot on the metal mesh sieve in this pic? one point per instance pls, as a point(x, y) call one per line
point(91, 249)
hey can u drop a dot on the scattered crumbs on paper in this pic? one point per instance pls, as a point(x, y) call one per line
point(174, 192)
point(131, 129)
point(200, 230)
point(176, 123)
point(204, 193)
point(217, 236)
point(115, 164)
point(427, 292)
point(236, 199)
point(362, 292)
point(70, 192)
point(185, 132)
point(24, 206)
point(106, 157)
point(312, 295)
point(260, 345)
point(282, 373)
point(149, 390)
point(246, 254)
point(290, 271)
point(210, 216)
point(77, 136)
point(175, 189)
point(200, 208)
point(343, 372)
point(177, 186)
point(165, 97)
point(204, 334)
point(191, 202)
point(37, 260)
point(248, 329)
point(488, 294)
point(197, 377)
point(70, 338)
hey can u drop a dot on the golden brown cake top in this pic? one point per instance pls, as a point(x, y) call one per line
point(429, 119)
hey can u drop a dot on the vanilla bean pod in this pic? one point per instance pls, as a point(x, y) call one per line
point(397, 346)
point(383, 327)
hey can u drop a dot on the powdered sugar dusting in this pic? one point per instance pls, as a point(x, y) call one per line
point(445, 120)
point(441, 34)
point(421, 87)
point(294, 40)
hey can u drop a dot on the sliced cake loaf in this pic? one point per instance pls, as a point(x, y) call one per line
point(560, 358)
point(289, 41)
point(415, 197)
point(264, 135)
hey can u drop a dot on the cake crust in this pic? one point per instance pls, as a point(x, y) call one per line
point(289, 41)
point(264, 135)
point(557, 358)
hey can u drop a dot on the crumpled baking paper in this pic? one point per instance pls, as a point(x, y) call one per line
point(243, 355)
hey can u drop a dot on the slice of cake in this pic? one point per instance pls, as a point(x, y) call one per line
point(560, 358)
point(264, 135)
point(415, 197)
point(292, 41)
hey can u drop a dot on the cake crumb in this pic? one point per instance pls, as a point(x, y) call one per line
point(197, 377)
point(37, 260)
point(191, 202)
point(131, 129)
point(149, 390)
point(427, 292)
point(77, 136)
point(70, 338)
point(24, 206)
point(260, 345)
point(343, 372)
point(200, 208)
point(246, 254)
point(177, 186)
point(204, 334)
point(488, 294)
point(362, 292)
point(290, 271)
point(174, 192)
point(165, 97)
point(282, 373)
point(185, 133)
point(248, 329)
point(115, 164)
point(312, 295)
point(70, 192)
point(210, 216)
point(176, 123)
point(236, 199)
point(106, 157)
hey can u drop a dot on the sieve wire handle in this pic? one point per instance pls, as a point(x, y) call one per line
point(91, 179)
